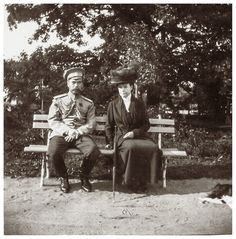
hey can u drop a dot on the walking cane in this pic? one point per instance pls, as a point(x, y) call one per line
point(114, 165)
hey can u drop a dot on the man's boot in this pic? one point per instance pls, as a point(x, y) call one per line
point(84, 171)
point(65, 186)
point(85, 184)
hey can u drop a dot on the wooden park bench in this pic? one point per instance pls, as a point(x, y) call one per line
point(158, 126)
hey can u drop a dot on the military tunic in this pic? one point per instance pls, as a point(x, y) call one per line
point(69, 112)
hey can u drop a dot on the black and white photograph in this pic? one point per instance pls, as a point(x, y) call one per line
point(117, 118)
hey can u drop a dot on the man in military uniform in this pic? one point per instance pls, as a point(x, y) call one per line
point(71, 119)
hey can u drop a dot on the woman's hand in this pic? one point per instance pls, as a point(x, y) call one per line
point(108, 146)
point(129, 135)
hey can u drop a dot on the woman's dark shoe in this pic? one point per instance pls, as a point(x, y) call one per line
point(65, 186)
point(138, 188)
point(120, 180)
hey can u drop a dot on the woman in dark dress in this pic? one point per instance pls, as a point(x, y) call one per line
point(135, 148)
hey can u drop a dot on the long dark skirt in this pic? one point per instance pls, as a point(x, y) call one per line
point(135, 156)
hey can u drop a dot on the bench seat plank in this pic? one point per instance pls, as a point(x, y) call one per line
point(43, 149)
point(173, 152)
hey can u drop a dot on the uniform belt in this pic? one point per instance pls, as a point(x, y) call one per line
point(72, 122)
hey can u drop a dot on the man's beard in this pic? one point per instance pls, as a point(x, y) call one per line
point(76, 92)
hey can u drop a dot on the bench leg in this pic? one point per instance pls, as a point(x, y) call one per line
point(47, 168)
point(164, 172)
point(153, 171)
point(43, 165)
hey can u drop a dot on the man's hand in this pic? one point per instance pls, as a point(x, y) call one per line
point(69, 138)
point(129, 135)
point(79, 131)
point(73, 133)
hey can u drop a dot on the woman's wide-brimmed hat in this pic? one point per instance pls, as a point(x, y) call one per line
point(123, 75)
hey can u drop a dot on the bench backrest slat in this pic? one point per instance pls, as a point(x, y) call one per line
point(40, 125)
point(167, 130)
point(38, 117)
point(102, 119)
point(157, 125)
point(44, 117)
point(100, 127)
point(162, 121)
point(44, 125)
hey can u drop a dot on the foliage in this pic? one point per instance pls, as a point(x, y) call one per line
point(204, 147)
point(16, 162)
point(176, 46)
point(203, 142)
point(40, 75)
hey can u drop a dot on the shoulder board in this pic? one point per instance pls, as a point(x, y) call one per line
point(60, 96)
point(87, 99)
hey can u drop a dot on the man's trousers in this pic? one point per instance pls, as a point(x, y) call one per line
point(58, 146)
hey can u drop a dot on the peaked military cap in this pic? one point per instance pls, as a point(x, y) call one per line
point(123, 75)
point(73, 73)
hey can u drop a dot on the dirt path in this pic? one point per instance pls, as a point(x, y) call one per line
point(177, 210)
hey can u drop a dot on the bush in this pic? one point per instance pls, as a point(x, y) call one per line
point(16, 162)
point(203, 142)
point(200, 143)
